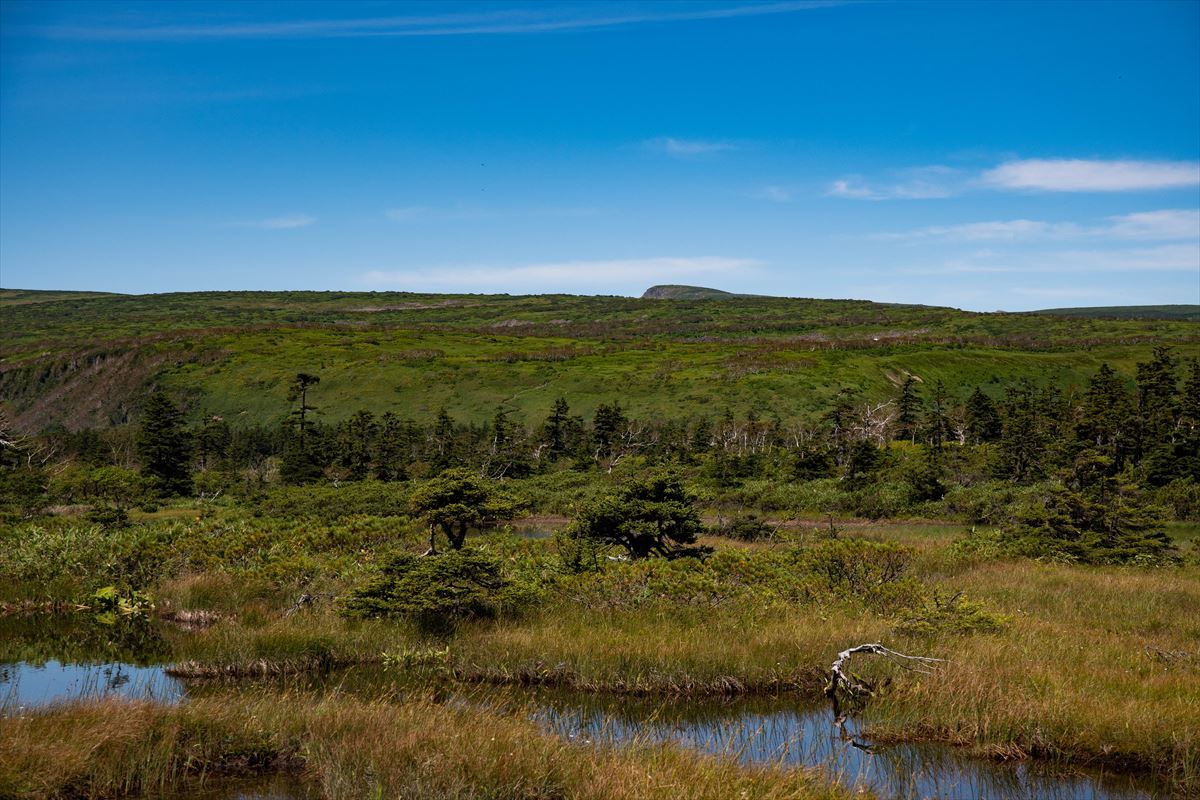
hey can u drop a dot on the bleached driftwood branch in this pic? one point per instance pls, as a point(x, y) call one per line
point(841, 679)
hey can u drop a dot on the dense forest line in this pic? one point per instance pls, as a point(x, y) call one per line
point(1051, 465)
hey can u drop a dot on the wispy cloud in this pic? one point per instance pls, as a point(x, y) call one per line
point(1005, 230)
point(688, 148)
point(1173, 223)
point(1165, 225)
point(1021, 175)
point(538, 19)
point(916, 183)
point(1080, 175)
point(279, 223)
point(606, 275)
point(1164, 258)
point(776, 194)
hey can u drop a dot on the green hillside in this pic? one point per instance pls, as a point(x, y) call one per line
point(1190, 313)
point(84, 359)
point(13, 297)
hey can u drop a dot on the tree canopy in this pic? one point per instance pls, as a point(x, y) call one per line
point(457, 501)
point(648, 515)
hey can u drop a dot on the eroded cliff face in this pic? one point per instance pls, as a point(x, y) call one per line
point(87, 388)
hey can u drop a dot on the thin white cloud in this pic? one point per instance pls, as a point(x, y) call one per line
point(1174, 223)
point(279, 223)
point(1164, 258)
point(776, 194)
point(1002, 230)
point(1027, 175)
point(604, 275)
point(1081, 175)
point(688, 148)
point(1164, 225)
point(853, 188)
point(538, 19)
point(916, 183)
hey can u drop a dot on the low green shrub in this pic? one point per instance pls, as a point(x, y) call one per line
point(954, 615)
point(748, 528)
point(109, 517)
point(62, 559)
point(372, 498)
point(875, 573)
point(1182, 497)
point(460, 584)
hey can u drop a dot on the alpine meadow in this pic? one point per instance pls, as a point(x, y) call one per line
point(369, 430)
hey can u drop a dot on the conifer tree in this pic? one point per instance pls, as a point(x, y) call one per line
point(1023, 439)
point(163, 447)
point(649, 515)
point(356, 443)
point(908, 410)
point(444, 443)
point(212, 439)
point(982, 418)
point(300, 463)
point(937, 418)
point(298, 390)
point(1106, 417)
point(392, 449)
point(607, 425)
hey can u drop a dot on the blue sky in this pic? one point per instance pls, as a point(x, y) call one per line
point(981, 155)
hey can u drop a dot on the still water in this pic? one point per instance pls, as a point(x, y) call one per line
point(54, 659)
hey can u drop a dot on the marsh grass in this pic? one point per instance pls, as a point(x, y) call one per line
point(1092, 665)
point(353, 748)
point(1094, 669)
point(305, 642)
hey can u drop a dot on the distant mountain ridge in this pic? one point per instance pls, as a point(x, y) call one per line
point(671, 291)
point(1182, 313)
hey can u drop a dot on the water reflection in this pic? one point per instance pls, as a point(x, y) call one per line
point(49, 658)
point(780, 730)
point(533, 533)
point(785, 732)
point(24, 685)
point(54, 659)
point(83, 638)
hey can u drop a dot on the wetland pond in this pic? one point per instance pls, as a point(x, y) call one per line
point(48, 659)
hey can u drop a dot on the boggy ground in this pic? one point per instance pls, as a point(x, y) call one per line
point(354, 748)
point(1079, 664)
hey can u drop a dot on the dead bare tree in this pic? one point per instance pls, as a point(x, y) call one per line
point(876, 423)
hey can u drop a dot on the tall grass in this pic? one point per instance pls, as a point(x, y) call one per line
point(1099, 665)
point(356, 749)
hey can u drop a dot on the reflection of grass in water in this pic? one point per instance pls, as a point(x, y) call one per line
point(767, 731)
point(81, 638)
point(31, 686)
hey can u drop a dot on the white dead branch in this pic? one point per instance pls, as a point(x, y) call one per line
point(840, 678)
